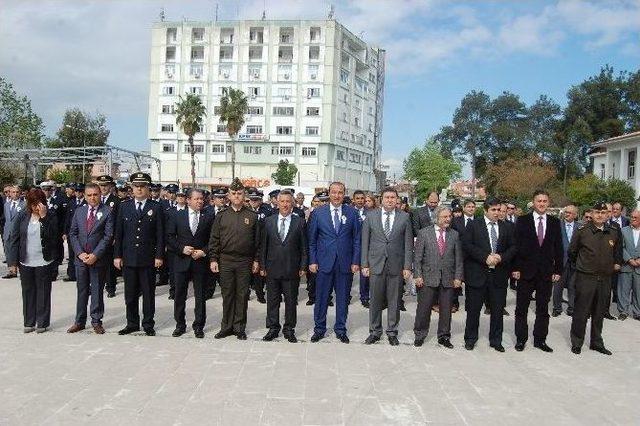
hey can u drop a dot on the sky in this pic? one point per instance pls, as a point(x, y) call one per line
point(95, 54)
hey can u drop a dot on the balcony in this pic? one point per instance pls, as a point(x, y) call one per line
point(197, 35)
point(197, 53)
point(255, 54)
point(172, 35)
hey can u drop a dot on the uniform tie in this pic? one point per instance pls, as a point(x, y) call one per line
point(139, 208)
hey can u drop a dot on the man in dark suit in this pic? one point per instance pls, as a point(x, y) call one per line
point(538, 265)
point(568, 225)
point(73, 204)
point(489, 247)
point(616, 215)
point(109, 199)
point(188, 233)
point(283, 260)
point(90, 235)
point(334, 254)
point(263, 211)
point(423, 216)
point(459, 224)
point(616, 221)
point(138, 251)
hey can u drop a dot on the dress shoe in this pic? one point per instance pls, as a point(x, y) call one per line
point(331, 302)
point(454, 309)
point(543, 347)
point(446, 343)
point(128, 330)
point(393, 341)
point(434, 308)
point(149, 332)
point(569, 313)
point(41, 329)
point(241, 335)
point(469, 346)
point(316, 337)
point(371, 339)
point(576, 350)
point(601, 349)
point(98, 329)
point(343, 338)
point(520, 346)
point(179, 331)
point(365, 304)
point(505, 313)
point(636, 317)
point(271, 334)
point(171, 297)
point(199, 333)
point(28, 330)
point(609, 317)
point(111, 294)
point(310, 302)
point(75, 328)
point(261, 299)
point(222, 334)
point(623, 317)
point(555, 313)
point(418, 342)
point(68, 279)
point(487, 311)
point(498, 347)
point(9, 276)
point(291, 337)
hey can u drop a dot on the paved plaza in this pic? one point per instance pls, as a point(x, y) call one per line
point(57, 378)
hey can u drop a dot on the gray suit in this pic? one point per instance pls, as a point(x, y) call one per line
point(568, 272)
point(629, 283)
point(10, 215)
point(90, 279)
point(438, 272)
point(386, 258)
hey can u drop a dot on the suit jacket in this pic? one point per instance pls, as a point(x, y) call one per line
point(625, 221)
point(72, 206)
point(10, 217)
point(329, 249)
point(531, 258)
point(433, 268)
point(113, 202)
point(459, 224)
point(396, 250)
point(17, 243)
point(99, 239)
point(283, 259)
point(179, 236)
point(565, 238)
point(629, 250)
point(421, 219)
point(57, 206)
point(476, 245)
point(139, 239)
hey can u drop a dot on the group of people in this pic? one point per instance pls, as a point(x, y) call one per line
point(232, 238)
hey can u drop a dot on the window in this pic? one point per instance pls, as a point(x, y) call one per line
point(313, 92)
point(254, 130)
point(170, 70)
point(344, 117)
point(226, 35)
point(313, 72)
point(254, 91)
point(254, 110)
point(312, 111)
point(200, 129)
point(356, 121)
point(345, 98)
point(370, 127)
point(168, 109)
point(254, 72)
point(602, 174)
point(255, 53)
point(314, 53)
point(314, 34)
point(168, 147)
point(226, 53)
point(371, 110)
point(308, 151)
point(285, 92)
point(250, 149)
point(344, 77)
point(167, 128)
point(288, 111)
point(217, 149)
point(344, 136)
point(172, 35)
point(357, 103)
point(286, 35)
point(284, 130)
point(197, 53)
point(283, 150)
point(224, 91)
point(285, 54)
point(284, 72)
point(221, 128)
point(196, 70)
point(168, 90)
point(275, 150)
point(256, 35)
point(224, 71)
point(195, 90)
point(170, 54)
point(196, 148)
point(311, 131)
point(631, 168)
point(355, 157)
point(340, 155)
point(197, 34)
point(367, 160)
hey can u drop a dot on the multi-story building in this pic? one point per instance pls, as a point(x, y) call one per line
point(315, 94)
point(615, 158)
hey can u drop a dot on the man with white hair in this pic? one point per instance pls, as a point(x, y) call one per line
point(629, 278)
point(12, 206)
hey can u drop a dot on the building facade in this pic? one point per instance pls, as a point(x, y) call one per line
point(616, 158)
point(315, 94)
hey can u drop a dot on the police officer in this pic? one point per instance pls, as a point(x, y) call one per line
point(138, 251)
point(109, 199)
point(323, 198)
point(72, 206)
point(217, 203)
point(596, 251)
point(55, 206)
point(262, 210)
point(166, 272)
point(296, 210)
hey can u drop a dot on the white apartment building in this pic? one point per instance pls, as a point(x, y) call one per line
point(315, 93)
point(616, 158)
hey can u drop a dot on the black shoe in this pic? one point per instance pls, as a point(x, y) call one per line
point(543, 347)
point(610, 317)
point(498, 347)
point(520, 346)
point(505, 313)
point(291, 337)
point(199, 333)
point(469, 346)
point(636, 317)
point(446, 343)
point(128, 330)
point(331, 302)
point(310, 302)
point(111, 294)
point(171, 297)
point(365, 304)
point(261, 299)
point(178, 332)
point(556, 313)
point(371, 339)
point(316, 337)
point(271, 334)
point(569, 313)
point(623, 317)
point(222, 334)
point(343, 338)
point(241, 335)
point(9, 276)
point(68, 279)
point(149, 332)
point(601, 349)
point(418, 342)
point(576, 350)
point(393, 341)
point(487, 311)
point(402, 307)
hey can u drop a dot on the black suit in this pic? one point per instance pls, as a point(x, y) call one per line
point(614, 277)
point(283, 261)
point(113, 202)
point(459, 224)
point(185, 268)
point(536, 264)
point(479, 278)
point(72, 206)
point(421, 219)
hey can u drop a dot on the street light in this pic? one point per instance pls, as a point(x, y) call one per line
point(84, 145)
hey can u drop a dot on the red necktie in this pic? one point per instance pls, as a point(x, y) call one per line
point(90, 222)
point(441, 242)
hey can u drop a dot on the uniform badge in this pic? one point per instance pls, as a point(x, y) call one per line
point(611, 243)
point(150, 212)
point(246, 220)
point(111, 204)
point(55, 206)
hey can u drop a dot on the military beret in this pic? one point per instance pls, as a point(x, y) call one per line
point(600, 205)
point(274, 193)
point(104, 180)
point(172, 188)
point(140, 177)
point(236, 185)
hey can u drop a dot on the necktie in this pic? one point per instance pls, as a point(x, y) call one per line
point(281, 232)
point(91, 220)
point(104, 199)
point(441, 241)
point(467, 223)
point(387, 224)
point(194, 222)
point(336, 220)
point(139, 208)
point(540, 231)
point(494, 238)
point(569, 231)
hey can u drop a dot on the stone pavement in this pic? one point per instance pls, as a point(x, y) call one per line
point(56, 378)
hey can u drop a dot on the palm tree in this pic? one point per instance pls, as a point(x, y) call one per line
point(233, 107)
point(190, 112)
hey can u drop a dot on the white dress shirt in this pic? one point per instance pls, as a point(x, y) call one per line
point(95, 211)
point(392, 218)
point(536, 220)
point(141, 201)
point(287, 223)
point(488, 223)
point(444, 234)
point(333, 210)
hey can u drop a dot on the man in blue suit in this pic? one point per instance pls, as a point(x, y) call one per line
point(334, 254)
point(568, 225)
point(90, 236)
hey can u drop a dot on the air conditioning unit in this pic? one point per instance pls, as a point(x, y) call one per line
point(256, 75)
point(308, 95)
point(286, 97)
point(225, 74)
point(169, 75)
point(196, 76)
point(286, 76)
point(313, 76)
point(253, 96)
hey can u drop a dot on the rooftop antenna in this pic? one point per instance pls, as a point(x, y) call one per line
point(215, 16)
point(331, 12)
point(264, 15)
point(162, 14)
point(264, 10)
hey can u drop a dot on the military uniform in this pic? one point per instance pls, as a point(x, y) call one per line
point(139, 240)
point(113, 202)
point(594, 252)
point(263, 211)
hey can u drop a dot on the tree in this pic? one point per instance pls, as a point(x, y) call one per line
point(233, 107)
point(515, 179)
point(20, 127)
point(190, 112)
point(285, 174)
point(61, 175)
point(432, 170)
point(509, 128)
point(9, 173)
point(80, 129)
point(587, 190)
point(631, 94)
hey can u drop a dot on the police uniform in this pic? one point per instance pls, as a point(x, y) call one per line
point(166, 271)
point(213, 278)
point(139, 240)
point(263, 211)
point(72, 205)
point(594, 252)
point(56, 206)
point(113, 202)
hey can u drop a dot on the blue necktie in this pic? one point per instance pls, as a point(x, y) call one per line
point(336, 221)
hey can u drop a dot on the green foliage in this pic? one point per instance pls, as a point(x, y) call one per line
point(79, 129)
point(589, 189)
point(20, 127)
point(430, 168)
point(190, 112)
point(63, 175)
point(285, 174)
point(233, 107)
point(10, 173)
